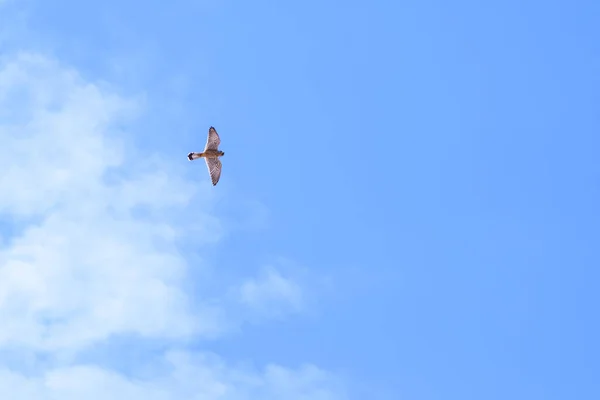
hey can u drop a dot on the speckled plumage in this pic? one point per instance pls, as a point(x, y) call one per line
point(211, 155)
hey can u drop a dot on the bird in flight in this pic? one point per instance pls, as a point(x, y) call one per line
point(211, 155)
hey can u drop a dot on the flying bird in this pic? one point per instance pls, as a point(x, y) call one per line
point(211, 155)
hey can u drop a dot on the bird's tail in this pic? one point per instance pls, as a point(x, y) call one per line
point(192, 156)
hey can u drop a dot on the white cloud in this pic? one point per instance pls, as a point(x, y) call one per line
point(94, 251)
point(272, 294)
point(184, 376)
point(89, 267)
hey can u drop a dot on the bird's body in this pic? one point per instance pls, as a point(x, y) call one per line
point(205, 154)
point(211, 155)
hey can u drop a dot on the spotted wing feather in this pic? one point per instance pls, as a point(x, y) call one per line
point(214, 169)
point(213, 141)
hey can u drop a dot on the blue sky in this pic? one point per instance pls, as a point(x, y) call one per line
point(423, 224)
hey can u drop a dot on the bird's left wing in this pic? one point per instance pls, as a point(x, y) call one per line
point(213, 141)
point(214, 169)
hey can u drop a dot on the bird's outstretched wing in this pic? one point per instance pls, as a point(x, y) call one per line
point(214, 169)
point(213, 141)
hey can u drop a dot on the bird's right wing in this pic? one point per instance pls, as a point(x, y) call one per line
point(214, 169)
point(213, 141)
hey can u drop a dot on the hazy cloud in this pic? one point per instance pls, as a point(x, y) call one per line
point(93, 251)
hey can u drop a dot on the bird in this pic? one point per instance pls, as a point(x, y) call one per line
point(211, 155)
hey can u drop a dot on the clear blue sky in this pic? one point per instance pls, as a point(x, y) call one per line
point(432, 165)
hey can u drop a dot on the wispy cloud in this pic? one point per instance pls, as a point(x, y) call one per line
point(95, 250)
point(272, 294)
point(182, 376)
point(88, 267)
